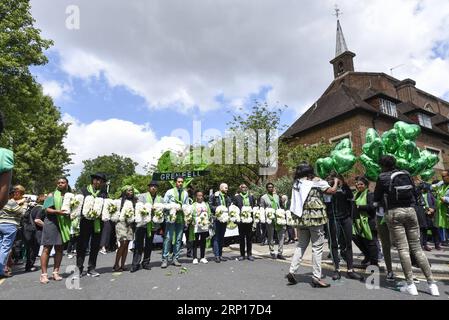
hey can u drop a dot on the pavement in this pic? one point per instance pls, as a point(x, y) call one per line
point(263, 279)
point(439, 260)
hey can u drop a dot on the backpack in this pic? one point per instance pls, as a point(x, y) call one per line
point(401, 187)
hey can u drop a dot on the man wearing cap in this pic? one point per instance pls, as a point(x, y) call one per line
point(180, 196)
point(91, 229)
point(143, 242)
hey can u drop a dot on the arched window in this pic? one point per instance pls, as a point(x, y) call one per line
point(341, 67)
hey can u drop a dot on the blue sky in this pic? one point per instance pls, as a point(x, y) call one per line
point(132, 73)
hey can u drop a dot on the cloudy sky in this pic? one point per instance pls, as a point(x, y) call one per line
point(137, 70)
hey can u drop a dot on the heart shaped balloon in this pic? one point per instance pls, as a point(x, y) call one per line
point(428, 174)
point(344, 144)
point(372, 169)
point(408, 151)
point(432, 159)
point(390, 140)
point(371, 134)
point(324, 167)
point(402, 164)
point(375, 150)
point(343, 162)
point(408, 131)
point(418, 166)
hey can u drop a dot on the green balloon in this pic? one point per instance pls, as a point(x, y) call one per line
point(324, 167)
point(431, 158)
point(402, 164)
point(428, 174)
point(343, 162)
point(344, 144)
point(371, 134)
point(375, 150)
point(418, 166)
point(390, 140)
point(408, 131)
point(408, 151)
point(372, 169)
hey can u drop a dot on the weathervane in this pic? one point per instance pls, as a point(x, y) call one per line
point(338, 12)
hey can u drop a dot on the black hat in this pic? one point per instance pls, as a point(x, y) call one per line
point(99, 175)
point(153, 183)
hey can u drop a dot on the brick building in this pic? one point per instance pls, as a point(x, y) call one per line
point(356, 101)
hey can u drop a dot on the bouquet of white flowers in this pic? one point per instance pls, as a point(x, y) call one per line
point(173, 209)
point(127, 213)
point(269, 215)
point(256, 214)
point(234, 213)
point(114, 209)
point(221, 213)
point(105, 215)
point(262, 215)
point(66, 202)
point(280, 217)
point(143, 213)
point(188, 213)
point(245, 215)
point(75, 206)
point(158, 213)
point(202, 218)
point(92, 207)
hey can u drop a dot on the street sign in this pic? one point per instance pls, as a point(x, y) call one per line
point(170, 176)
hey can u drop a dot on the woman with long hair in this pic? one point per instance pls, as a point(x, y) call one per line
point(56, 230)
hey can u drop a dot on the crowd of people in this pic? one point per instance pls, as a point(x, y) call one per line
point(401, 212)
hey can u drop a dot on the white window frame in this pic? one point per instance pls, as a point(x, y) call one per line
point(425, 120)
point(388, 107)
point(440, 164)
point(341, 137)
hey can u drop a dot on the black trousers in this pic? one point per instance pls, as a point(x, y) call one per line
point(245, 235)
point(72, 244)
point(200, 241)
point(32, 250)
point(87, 232)
point(291, 233)
point(262, 234)
point(142, 244)
point(369, 248)
point(435, 236)
point(340, 235)
point(108, 236)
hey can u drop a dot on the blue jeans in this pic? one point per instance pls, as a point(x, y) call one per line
point(178, 228)
point(218, 238)
point(8, 233)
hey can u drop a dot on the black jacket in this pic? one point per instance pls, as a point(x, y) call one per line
point(341, 205)
point(381, 193)
point(238, 201)
point(215, 202)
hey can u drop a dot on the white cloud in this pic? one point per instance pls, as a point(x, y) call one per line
point(138, 142)
point(55, 89)
point(185, 53)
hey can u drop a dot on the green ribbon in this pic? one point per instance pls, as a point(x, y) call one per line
point(64, 221)
point(275, 206)
point(245, 197)
point(360, 225)
point(179, 198)
point(150, 224)
point(441, 219)
point(97, 222)
point(222, 199)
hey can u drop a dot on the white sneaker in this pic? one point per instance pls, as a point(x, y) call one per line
point(410, 289)
point(70, 256)
point(433, 289)
point(195, 261)
point(390, 277)
point(204, 260)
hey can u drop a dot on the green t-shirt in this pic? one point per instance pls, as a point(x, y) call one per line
point(6, 160)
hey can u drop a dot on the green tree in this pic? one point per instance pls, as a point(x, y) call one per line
point(116, 167)
point(291, 153)
point(34, 130)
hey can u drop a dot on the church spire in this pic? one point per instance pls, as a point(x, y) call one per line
point(343, 61)
point(341, 42)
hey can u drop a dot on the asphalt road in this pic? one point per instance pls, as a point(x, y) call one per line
point(262, 279)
